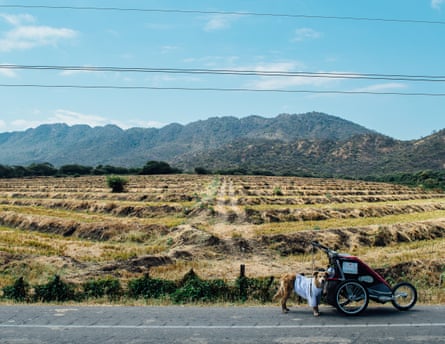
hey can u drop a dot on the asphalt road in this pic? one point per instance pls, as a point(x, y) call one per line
point(114, 324)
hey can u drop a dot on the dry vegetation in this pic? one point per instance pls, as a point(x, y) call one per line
point(78, 229)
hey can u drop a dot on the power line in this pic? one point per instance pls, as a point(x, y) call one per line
point(240, 72)
point(218, 89)
point(233, 13)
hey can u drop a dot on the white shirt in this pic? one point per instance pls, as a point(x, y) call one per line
point(305, 287)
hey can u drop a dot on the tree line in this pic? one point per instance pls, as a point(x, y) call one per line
point(428, 179)
point(48, 170)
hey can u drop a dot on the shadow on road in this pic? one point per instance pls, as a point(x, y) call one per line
point(372, 312)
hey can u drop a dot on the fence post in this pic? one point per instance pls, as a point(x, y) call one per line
point(242, 282)
point(242, 271)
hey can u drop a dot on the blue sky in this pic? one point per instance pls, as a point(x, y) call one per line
point(201, 35)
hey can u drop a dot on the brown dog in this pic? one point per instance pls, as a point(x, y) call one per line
point(308, 288)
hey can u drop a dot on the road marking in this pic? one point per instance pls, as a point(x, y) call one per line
point(217, 327)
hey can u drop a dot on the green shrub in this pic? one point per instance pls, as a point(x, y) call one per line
point(110, 287)
point(147, 287)
point(254, 288)
point(202, 170)
point(277, 191)
point(54, 290)
point(18, 291)
point(116, 183)
point(158, 167)
point(193, 289)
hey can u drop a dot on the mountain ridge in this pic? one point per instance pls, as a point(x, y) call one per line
point(309, 143)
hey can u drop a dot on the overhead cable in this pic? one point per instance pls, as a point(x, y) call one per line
point(240, 72)
point(218, 89)
point(233, 13)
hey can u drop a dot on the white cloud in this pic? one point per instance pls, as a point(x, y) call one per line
point(73, 118)
point(17, 19)
point(317, 79)
point(305, 33)
point(28, 37)
point(73, 72)
point(275, 83)
point(153, 124)
point(7, 72)
point(23, 124)
point(141, 124)
point(85, 69)
point(436, 4)
point(168, 48)
point(285, 66)
point(23, 36)
point(220, 22)
point(381, 87)
point(212, 61)
point(283, 82)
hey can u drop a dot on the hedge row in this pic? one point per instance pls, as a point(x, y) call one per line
point(191, 288)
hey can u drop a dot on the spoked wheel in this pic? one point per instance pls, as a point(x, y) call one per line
point(404, 296)
point(351, 297)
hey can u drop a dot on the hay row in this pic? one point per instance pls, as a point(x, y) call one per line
point(354, 238)
point(191, 183)
point(100, 207)
point(320, 214)
point(106, 196)
point(154, 209)
point(104, 229)
point(332, 199)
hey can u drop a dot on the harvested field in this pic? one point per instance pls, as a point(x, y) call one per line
point(77, 228)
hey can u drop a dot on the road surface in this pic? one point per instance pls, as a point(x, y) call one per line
point(238, 324)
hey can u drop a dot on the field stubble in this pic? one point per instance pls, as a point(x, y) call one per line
point(78, 229)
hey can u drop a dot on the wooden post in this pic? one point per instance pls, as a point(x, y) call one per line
point(242, 271)
point(242, 282)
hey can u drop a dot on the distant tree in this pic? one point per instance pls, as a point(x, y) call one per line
point(42, 169)
point(236, 171)
point(20, 171)
point(6, 172)
point(75, 170)
point(116, 183)
point(262, 173)
point(108, 169)
point(202, 170)
point(158, 167)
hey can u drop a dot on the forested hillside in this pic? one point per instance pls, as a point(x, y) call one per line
point(302, 144)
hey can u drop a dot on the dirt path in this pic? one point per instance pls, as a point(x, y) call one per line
point(231, 219)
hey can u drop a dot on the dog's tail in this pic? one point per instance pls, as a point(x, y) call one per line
point(280, 291)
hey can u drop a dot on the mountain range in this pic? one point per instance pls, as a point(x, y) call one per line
point(303, 144)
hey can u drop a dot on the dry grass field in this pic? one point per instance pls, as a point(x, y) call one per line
point(77, 228)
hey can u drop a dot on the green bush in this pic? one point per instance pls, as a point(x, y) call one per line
point(18, 291)
point(54, 290)
point(158, 167)
point(193, 289)
point(116, 183)
point(277, 191)
point(110, 287)
point(254, 288)
point(147, 287)
point(202, 170)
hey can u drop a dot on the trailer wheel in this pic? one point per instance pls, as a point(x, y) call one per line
point(404, 296)
point(351, 297)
